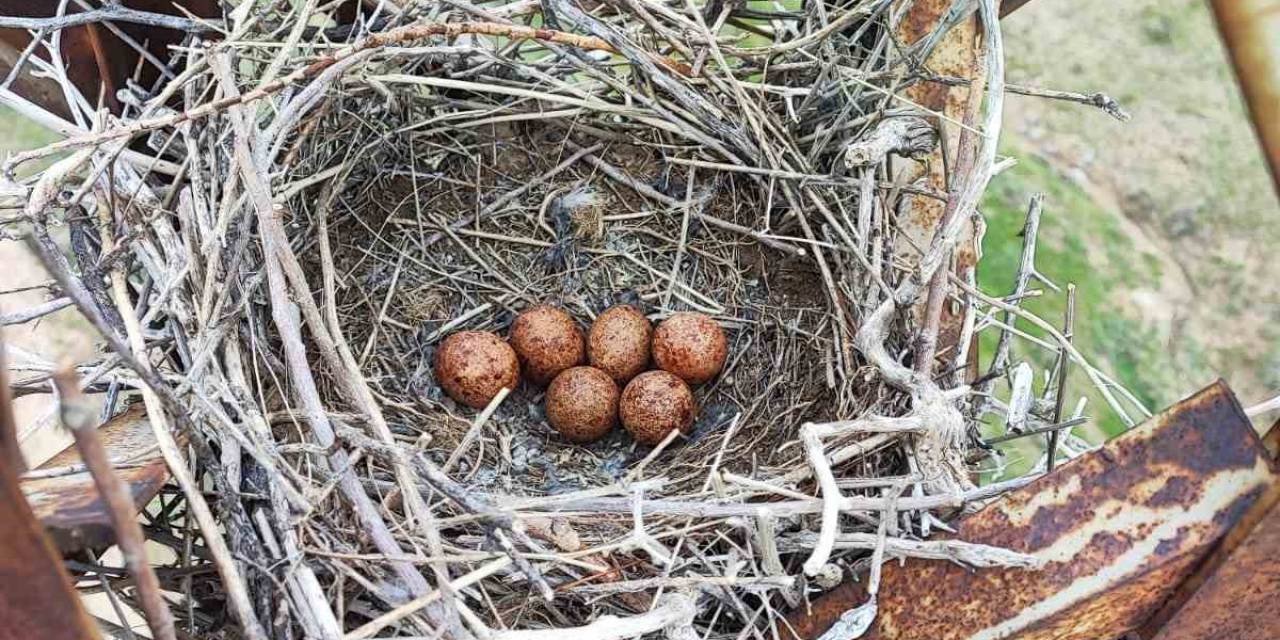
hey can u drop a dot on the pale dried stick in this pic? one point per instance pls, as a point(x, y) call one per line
point(134, 354)
point(674, 613)
point(476, 426)
point(409, 608)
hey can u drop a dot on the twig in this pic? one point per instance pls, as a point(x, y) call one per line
point(399, 613)
point(1094, 375)
point(1026, 270)
point(373, 41)
point(653, 194)
point(965, 553)
point(1100, 100)
point(440, 481)
point(1050, 429)
point(38, 311)
point(1068, 331)
point(109, 12)
point(155, 395)
point(674, 613)
point(474, 431)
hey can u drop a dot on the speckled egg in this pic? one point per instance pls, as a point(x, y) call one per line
point(655, 403)
point(473, 366)
point(619, 342)
point(547, 341)
point(690, 345)
point(582, 403)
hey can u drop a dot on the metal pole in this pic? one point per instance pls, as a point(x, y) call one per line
point(1251, 31)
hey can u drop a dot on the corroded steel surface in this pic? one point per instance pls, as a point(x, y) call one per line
point(36, 596)
point(1241, 600)
point(70, 506)
point(1117, 528)
point(1243, 528)
point(955, 55)
point(1251, 31)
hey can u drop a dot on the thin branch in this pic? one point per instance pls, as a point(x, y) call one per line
point(32, 313)
point(1068, 332)
point(109, 12)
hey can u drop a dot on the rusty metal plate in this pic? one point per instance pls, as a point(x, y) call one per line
point(36, 596)
point(1117, 529)
point(94, 55)
point(70, 506)
point(1249, 29)
point(955, 55)
point(1241, 600)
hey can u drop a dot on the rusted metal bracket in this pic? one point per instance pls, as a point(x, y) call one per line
point(1009, 6)
point(1249, 30)
point(1240, 597)
point(66, 501)
point(36, 596)
point(1118, 529)
point(956, 55)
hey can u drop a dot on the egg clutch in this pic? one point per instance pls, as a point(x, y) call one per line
point(583, 402)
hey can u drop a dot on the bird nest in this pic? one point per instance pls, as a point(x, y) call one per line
point(280, 235)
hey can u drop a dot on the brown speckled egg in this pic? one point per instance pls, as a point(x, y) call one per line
point(690, 345)
point(655, 403)
point(547, 341)
point(473, 366)
point(582, 403)
point(619, 342)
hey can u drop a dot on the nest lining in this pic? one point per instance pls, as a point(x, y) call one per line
point(513, 259)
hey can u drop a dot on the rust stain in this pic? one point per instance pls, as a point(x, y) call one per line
point(955, 55)
point(1233, 540)
point(1117, 528)
point(1249, 29)
point(1241, 599)
point(70, 507)
point(36, 596)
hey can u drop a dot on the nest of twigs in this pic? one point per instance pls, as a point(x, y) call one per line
point(276, 239)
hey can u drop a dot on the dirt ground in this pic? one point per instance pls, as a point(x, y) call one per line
point(62, 334)
point(1185, 177)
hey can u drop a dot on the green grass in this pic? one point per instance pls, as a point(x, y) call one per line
point(1080, 243)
